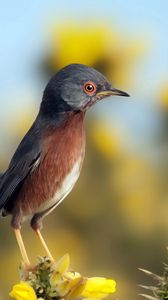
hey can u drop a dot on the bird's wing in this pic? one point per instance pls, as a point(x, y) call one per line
point(25, 159)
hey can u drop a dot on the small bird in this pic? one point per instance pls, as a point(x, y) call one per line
point(48, 161)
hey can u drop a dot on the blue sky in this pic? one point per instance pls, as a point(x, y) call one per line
point(23, 36)
point(22, 26)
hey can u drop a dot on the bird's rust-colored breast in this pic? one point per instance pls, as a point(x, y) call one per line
point(62, 147)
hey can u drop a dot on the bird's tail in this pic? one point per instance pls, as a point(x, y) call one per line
point(1, 177)
point(2, 211)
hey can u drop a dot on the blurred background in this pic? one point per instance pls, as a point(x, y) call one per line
point(115, 220)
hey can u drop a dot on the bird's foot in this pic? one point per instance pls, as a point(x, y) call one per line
point(26, 269)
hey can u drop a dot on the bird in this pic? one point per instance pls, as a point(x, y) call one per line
point(49, 158)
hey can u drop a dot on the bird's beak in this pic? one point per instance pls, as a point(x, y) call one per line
point(111, 92)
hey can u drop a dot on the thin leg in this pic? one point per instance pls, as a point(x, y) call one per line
point(44, 244)
point(21, 247)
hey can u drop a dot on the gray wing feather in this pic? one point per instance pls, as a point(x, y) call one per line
point(24, 160)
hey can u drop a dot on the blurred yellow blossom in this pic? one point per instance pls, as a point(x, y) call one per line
point(137, 182)
point(74, 43)
point(163, 96)
point(97, 45)
point(108, 142)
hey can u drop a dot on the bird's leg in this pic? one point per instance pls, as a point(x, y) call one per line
point(36, 224)
point(21, 247)
point(38, 232)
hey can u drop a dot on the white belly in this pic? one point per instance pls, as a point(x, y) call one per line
point(65, 188)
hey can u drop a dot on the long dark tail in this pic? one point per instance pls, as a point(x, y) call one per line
point(1, 177)
point(2, 214)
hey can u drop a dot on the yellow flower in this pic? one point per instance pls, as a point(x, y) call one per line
point(62, 265)
point(52, 281)
point(60, 268)
point(65, 282)
point(71, 285)
point(98, 287)
point(77, 287)
point(23, 291)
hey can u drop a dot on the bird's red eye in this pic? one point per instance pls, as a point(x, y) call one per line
point(89, 88)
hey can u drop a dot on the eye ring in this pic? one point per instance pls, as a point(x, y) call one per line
point(89, 88)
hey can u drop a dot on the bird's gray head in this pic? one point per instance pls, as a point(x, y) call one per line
point(75, 88)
